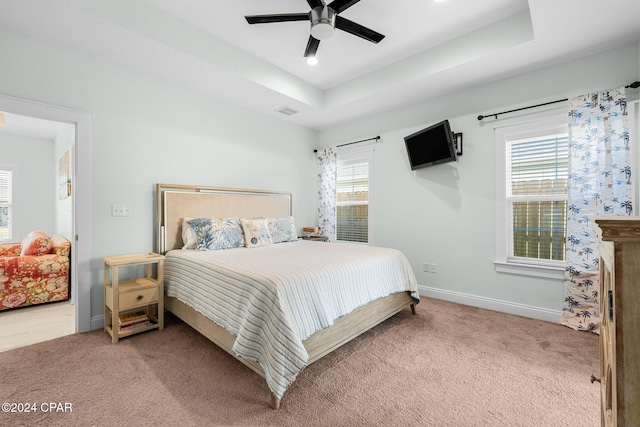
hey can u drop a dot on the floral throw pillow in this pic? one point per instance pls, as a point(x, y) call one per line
point(60, 245)
point(36, 243)
point(256, 232)
point(215, 234)
point(282, 229)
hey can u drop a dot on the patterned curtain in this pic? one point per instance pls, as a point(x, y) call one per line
point(327, 162)
point(599, 184)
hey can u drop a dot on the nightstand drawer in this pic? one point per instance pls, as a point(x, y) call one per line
point(137, 298)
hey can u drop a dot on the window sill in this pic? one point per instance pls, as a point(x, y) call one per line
point(530, 270)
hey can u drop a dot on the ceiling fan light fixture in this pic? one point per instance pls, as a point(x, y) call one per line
point(323, 22)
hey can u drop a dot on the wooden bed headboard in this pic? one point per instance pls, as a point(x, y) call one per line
point(175, 202)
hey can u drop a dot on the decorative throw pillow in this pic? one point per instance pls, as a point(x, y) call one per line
point(188, 236)
point(36, 243)
point(60, 245)
point(215, 234)
point(256, 232)
point(282, 229)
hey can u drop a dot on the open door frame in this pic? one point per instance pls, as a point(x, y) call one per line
point(80, 191)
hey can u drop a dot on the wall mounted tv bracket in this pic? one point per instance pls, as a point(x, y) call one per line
point(457, 139)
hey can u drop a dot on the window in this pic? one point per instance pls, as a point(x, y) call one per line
point(531, 192)
point(353, 197)
point(6, 203)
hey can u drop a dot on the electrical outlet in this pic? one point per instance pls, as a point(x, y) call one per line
point(429, 267)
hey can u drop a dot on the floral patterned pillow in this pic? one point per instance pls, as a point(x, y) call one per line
point(282, 229)
point(256, 232)
point(215, 234)
point(60, 245)
point(36, 243)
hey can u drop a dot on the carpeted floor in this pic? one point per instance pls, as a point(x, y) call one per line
point(450, 365)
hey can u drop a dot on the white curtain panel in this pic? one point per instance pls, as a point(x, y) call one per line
point(599, 184)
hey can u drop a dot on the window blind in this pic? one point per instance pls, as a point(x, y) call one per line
point(5, 186)
point(539, 166)
point(352, 201)
point(537, 193)
point(5, 204)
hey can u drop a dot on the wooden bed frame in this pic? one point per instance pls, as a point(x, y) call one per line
point(175, 202)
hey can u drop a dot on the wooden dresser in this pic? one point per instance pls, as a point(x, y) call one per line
point(619, 250)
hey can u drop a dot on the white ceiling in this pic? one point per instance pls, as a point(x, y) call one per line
point(430, 49)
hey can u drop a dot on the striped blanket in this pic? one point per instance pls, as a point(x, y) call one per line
point(273, 297)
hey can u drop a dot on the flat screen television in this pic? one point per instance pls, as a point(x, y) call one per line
point(431, 146)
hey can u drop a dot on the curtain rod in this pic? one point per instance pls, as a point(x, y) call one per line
point(633, 85)
point(355, 142)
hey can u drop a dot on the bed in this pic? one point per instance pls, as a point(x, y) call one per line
point(274, 307)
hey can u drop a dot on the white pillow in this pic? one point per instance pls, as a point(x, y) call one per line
point(188, 235)
point(256, 232)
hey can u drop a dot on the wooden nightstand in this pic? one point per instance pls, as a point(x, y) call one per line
point(137, 305)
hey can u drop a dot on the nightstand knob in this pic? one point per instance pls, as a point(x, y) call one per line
point(139, 297)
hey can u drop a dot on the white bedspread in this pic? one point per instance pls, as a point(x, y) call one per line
point(273, 297)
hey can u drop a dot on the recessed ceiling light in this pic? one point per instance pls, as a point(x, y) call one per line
point(312, 60)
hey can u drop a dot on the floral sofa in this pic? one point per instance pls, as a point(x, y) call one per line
point(34, 271)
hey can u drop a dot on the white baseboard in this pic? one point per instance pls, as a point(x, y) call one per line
point(97, 322)
point(492, 304)
point(533, 312)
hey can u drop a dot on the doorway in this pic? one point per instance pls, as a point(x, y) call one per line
point(80, 196)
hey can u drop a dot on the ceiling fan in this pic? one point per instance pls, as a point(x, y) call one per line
point(324, 20)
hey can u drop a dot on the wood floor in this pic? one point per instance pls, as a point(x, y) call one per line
point(31, 325)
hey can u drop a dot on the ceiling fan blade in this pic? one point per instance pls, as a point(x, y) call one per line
point(312, 47)
point(283, 17)
point(315, 3)
point(358, 30)
point(340, 5)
